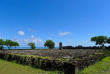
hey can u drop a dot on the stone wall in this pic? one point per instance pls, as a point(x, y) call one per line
point(82, 47)
point(66, 67)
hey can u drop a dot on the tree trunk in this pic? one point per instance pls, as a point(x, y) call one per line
point(8, 47)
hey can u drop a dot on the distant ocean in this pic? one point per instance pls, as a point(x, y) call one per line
point(29, 48)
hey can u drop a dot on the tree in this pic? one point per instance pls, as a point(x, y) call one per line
point(9, 43)
point(100, 40)
point(15, 44)
point(1, 43)
point(108, 41)
point(50, 44)
point(32, 45)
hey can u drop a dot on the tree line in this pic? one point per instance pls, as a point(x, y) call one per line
point(49, 43)
point(9, 43)
point(100, 40)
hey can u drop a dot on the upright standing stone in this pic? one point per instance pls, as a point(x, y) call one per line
point(60, 46)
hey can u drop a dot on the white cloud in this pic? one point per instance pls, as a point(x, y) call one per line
point(31, 30)
point(64, 33)
point(107, 33)
point(20, 41)
point(24, 42)
point(52, 35)
point(49, 38)
point(64, 44)
point(0, 34)
point(17, 40)
point(33, 39)
point(32, 36)
point(56, 44)
point(21, 33)
point(90, 35)
point(69, 40)
point(85, 41)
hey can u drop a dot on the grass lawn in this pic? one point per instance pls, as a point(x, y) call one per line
point(13, 68)
point(102, 67)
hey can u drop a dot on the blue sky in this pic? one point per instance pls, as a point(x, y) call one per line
point(72, 22)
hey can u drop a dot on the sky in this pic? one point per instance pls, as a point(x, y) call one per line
point(72, 22)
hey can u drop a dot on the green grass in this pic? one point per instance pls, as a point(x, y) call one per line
point(13, 68)
point(78, 59)
point(102, 67)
